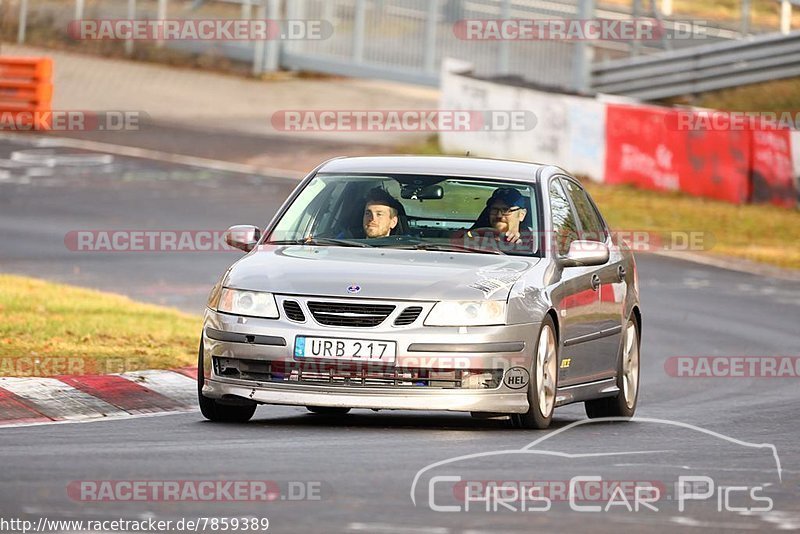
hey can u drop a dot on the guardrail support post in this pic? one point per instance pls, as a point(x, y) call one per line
point(745, 17)
point(582, 62)
point(23, 21)
point(636, 45)
point(131, 16)
point(260, 45)
point(431, 23)
point(161, 15)
point(359, 29)
point(273, 52)
point(503, 46)
point(79, 9)
point(786, 17)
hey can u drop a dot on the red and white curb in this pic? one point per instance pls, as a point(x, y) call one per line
point(25, 401)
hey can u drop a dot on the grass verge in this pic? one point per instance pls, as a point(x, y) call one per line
point(761, 233)
point(50, 329)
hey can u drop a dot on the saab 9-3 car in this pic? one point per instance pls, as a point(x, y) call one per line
point(426, 283)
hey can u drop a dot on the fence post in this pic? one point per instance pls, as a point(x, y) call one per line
point(131, 16)
point(247, 10)
point(666, 8)
point(79, 9)
point(431, 24)
point(162, 15)
point(273, 51)
point(786, 17)
point(359, 28)
point(503, 46)
point(745, 17)
point(260, 45)
point(23, 21)
point(582, 63)
point(636, 45)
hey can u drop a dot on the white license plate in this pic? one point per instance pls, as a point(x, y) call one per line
point(356, 350)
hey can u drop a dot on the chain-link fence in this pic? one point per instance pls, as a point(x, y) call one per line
point(403, 40)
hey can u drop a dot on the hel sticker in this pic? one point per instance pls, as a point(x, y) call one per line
point(565, 363)
point(516, 378)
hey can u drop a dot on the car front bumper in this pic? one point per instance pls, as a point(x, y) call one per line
point(434, 351)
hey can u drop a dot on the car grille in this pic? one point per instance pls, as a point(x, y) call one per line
point(347, 314)
point(353, 375)
point(408, 316)
point(293, 311)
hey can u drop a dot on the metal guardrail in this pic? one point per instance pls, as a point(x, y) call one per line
point(703, 68)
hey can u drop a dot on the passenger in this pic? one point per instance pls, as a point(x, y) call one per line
point(380, 213)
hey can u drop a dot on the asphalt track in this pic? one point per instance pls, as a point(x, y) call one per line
point(361, 467)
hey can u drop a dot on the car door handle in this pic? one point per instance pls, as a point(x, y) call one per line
point(621, 272)
point(595, 282)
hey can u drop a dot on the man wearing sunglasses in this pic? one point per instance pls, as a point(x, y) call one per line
point(505, 212)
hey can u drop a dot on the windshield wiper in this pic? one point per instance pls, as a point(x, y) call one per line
point(320, 241)
point(446, 247)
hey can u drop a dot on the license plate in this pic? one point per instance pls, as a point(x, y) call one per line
point(352, 350)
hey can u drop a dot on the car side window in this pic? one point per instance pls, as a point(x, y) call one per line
point(565, 227)
point(591, 224)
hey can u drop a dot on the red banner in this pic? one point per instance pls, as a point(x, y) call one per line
point(771, 170)
point(645, 149)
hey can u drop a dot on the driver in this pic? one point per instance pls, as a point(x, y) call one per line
point(505, 213)
point(380, 213)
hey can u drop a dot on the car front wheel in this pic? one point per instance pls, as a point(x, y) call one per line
point(215, 411)
point(542, 387)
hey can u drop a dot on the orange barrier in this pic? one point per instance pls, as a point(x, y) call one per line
point(26, 92)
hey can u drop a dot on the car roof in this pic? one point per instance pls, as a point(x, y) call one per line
point(440, 166)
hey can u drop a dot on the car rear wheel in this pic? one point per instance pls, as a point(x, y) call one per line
point(624, 404)
point(544, 378)
point(327, 410)
point(215, 411)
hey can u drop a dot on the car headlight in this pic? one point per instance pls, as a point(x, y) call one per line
point(467, 313)
point(252, 303)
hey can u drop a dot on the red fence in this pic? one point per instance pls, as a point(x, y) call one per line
point(646, 149)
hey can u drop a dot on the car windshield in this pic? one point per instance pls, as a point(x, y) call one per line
point(435, 213)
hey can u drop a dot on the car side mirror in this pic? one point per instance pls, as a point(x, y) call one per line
point(243, 237)
point(585, 254)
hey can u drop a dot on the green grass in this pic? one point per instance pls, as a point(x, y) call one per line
point(50, 329)
point(777, 96)
point(761, 233)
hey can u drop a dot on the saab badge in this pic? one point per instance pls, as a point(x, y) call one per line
point(353, 289)
point(517, 378)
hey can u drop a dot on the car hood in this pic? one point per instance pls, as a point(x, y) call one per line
point(378, 273)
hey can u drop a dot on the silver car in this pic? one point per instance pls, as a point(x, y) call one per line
point(470, 285)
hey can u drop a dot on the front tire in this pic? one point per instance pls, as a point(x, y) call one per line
point(624, 404)
point(544, 381)
point(214, 410)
